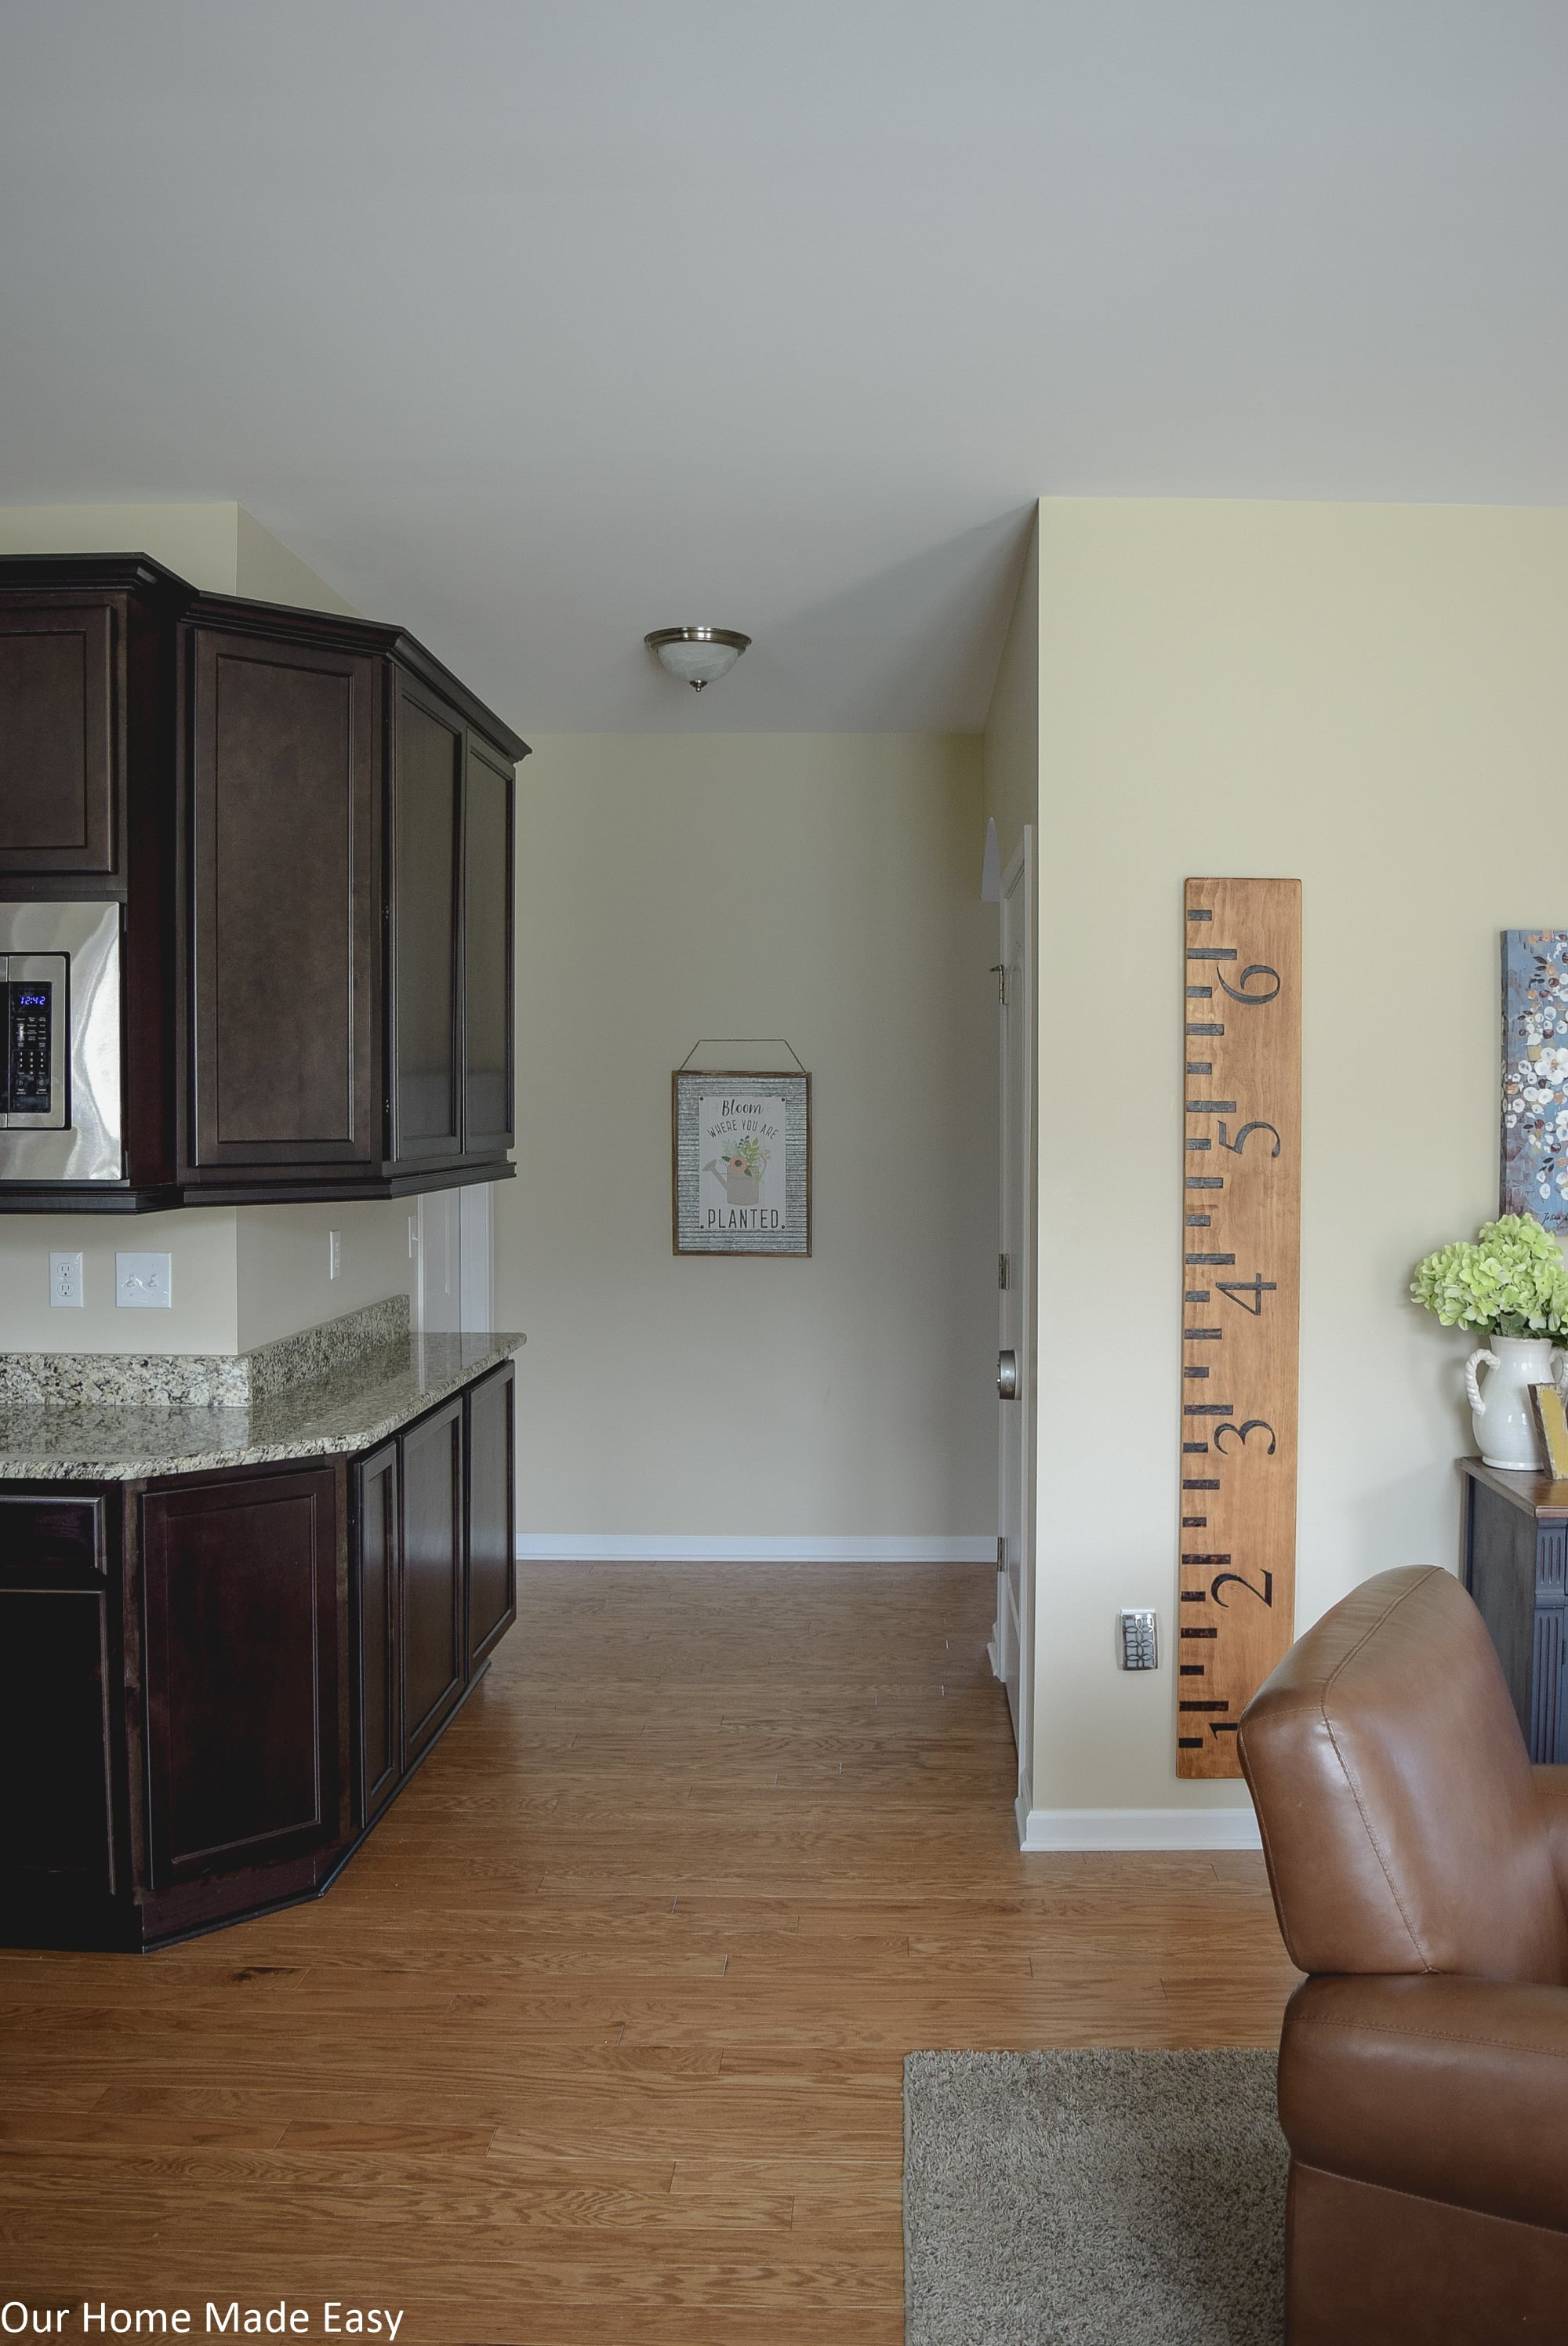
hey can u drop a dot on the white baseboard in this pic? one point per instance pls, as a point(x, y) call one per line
point(789, 1547)
point(1234, 1828)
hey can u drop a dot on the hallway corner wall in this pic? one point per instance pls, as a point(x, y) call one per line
point(1373, 699)
point(821, 887)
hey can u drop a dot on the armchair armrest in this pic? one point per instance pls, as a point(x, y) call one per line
point(1552, 1800)
point(1452, 2088)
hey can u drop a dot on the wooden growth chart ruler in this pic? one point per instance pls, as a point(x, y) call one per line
point(1241, 1253)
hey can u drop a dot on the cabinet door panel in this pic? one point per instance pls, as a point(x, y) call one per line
point(432, 1574)
point(379, 1726)
point(424, 930)
point(284, 915)
point(241, 1596)
point(55, 1807)
point(487, 955)
point(48, 1542)
point(492, 1533)
point(57, 763)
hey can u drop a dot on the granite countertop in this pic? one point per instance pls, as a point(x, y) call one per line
point(350, 1403)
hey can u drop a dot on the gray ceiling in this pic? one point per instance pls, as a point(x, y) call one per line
point(540, 325)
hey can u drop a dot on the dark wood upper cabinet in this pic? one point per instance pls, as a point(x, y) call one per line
point(488, 897)
point(241, 1762)
point(310, 823)
point(58, 761)
point(426, 923)
point(283, 943)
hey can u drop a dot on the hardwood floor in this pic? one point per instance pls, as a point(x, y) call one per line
point(600, 2035)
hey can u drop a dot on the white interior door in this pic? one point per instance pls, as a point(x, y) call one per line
point(1015, 1553)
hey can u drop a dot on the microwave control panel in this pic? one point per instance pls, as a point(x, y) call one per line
point(32, 993)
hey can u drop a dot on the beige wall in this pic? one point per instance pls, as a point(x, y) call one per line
point(1375, 699)
point(281, 1257)
point(203, 1315)
point(824, 887)
point(265, 569)
point(238, 1275)
point(216, 546)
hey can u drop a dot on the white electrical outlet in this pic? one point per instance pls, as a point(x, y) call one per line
point(334, 1253)
point(412, 1235)
point(144, 1282)
point(66, 1281)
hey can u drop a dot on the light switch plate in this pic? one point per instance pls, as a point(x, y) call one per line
point(334, 1253)
point(1136, 1639)
point(66, 1281)
point(144, 1282)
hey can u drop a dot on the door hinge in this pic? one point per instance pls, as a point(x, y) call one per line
point(999, 972)
point(1001, 1271)
point(1001, 1551)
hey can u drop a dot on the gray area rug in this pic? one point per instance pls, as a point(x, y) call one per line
point(1097, 2198)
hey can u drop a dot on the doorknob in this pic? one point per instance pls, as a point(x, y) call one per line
point(1007, 1376)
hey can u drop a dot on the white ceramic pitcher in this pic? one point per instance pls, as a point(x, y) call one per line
point(1503, 1420)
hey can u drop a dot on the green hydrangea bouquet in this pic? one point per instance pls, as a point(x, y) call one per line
point(1509, 1280)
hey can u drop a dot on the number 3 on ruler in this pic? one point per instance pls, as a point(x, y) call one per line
point(1248, 1427)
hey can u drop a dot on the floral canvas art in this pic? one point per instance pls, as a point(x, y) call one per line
point(1535, 1075)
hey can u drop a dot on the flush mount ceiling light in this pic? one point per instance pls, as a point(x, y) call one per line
point(698, 656)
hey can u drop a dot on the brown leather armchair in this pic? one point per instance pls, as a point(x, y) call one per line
point(1418, 1865)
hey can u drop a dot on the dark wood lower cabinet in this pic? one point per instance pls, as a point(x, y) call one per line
point(433, 1672)
point(491, 1516)
point(56, 1822)
point(378, 1737)
point(61, 1860)
point(242, 1760)
point(210, 1687)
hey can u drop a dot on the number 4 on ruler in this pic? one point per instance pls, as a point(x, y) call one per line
point(1238, 1289)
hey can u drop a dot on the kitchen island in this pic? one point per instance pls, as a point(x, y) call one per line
point(240, 1599)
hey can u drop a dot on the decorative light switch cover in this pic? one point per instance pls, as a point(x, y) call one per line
point(144, 1282)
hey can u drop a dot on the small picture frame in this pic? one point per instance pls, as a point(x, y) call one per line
point(1552, 1424)
point(742, 1177)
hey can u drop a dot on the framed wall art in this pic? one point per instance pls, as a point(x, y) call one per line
point(1552, 1425)
point(1535, 1075)
point(742, 1162)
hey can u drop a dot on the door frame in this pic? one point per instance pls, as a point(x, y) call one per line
point(1017, 904)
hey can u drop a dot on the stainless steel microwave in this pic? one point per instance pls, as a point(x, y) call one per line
point(60, 1090)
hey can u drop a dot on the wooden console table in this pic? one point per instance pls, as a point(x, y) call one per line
point(1515, 1565)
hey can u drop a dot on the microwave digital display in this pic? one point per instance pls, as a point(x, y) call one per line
point(29, 1048)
